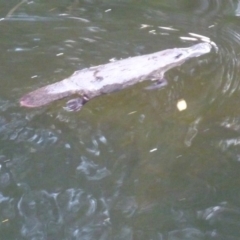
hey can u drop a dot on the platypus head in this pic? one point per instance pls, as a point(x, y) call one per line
point(194, 51)
point(177, 56)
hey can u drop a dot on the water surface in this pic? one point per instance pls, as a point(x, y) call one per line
point(129, 165)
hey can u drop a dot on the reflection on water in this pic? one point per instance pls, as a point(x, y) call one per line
point(129, 165)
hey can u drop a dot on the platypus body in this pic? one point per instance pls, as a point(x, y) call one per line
point(95, 81)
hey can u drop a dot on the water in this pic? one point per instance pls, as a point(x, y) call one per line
point(129, 165)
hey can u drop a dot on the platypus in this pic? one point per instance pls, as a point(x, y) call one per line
point(95, 81)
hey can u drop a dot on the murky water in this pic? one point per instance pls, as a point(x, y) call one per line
point(129, 165)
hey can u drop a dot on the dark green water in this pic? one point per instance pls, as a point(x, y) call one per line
point(128, 166)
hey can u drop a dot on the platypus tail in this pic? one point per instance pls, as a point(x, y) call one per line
point(44, 96)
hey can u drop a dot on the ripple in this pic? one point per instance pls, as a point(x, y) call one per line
point(224, 219)
point(91, 170)
point(186, 234)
